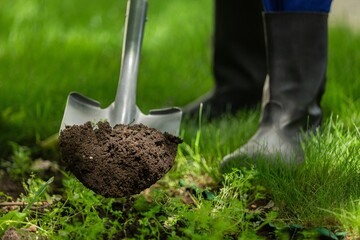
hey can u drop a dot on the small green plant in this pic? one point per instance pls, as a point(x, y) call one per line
point(225, 214)
point(20, 161)
point(78, 216)
point(23, 218)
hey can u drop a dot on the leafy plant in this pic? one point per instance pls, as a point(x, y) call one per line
point(20, 161)
point(225, 214)
point(23, 218)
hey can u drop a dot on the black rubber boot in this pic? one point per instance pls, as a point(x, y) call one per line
point(239, 60)
point(297, 62)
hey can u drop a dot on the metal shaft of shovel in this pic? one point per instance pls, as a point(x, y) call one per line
point(80, 109)
point(125, 101)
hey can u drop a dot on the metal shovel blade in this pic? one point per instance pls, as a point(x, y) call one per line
point(80, 109)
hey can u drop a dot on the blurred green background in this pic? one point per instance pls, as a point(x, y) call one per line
point(49, 48)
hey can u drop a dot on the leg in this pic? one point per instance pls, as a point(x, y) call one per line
point(297, 60)
point(239, 61)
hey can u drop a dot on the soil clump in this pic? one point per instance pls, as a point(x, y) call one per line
point(120, 161)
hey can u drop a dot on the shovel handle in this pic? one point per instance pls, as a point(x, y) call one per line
point(125, 101)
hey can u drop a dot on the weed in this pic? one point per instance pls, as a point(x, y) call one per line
point(24, 218)
point(20, 162)
point(222, 215)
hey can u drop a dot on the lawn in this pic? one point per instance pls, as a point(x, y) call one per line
point(49, 48)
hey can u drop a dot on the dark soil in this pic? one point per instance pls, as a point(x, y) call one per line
point(119, 161)
point(9, 186)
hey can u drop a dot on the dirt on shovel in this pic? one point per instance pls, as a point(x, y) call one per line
point(119, 161)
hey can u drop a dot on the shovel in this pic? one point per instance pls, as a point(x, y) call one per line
point(81, 109)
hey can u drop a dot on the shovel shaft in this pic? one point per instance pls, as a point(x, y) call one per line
point(80, 109)
point(125, 101)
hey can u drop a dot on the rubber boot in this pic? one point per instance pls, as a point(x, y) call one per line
point(239, 60)
point(297, 62)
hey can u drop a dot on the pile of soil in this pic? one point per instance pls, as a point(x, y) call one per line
point(119, 161)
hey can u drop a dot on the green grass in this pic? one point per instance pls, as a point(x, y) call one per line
point(49, 48)
point(329, 179)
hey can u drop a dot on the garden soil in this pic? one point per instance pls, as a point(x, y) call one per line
point(120, 161)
